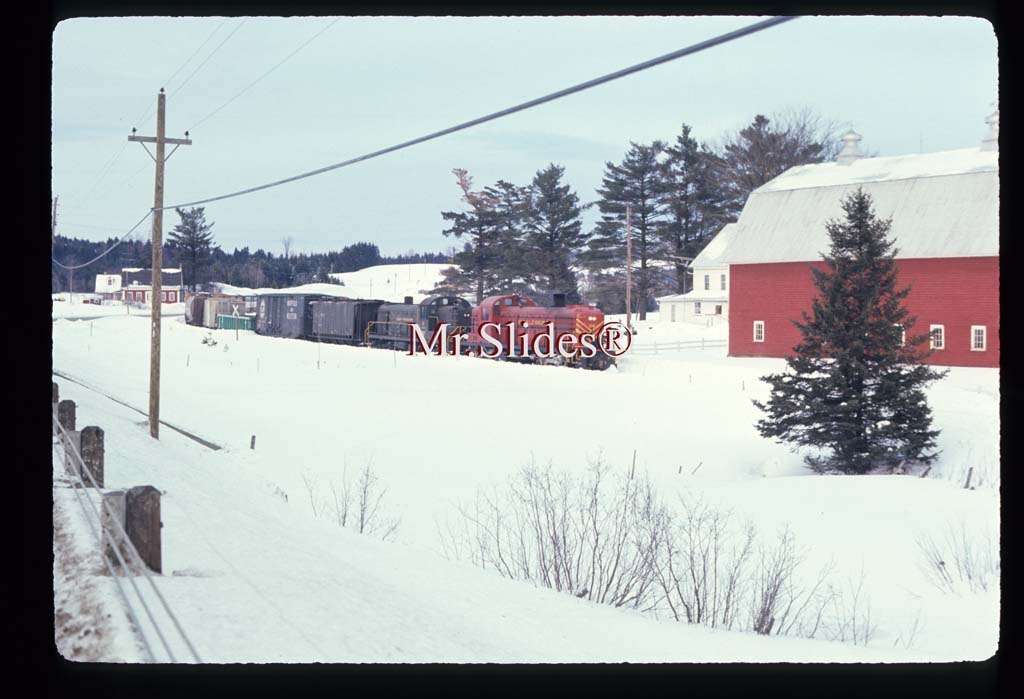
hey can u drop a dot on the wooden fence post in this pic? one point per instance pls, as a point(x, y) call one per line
point(142, 523)
point(113, 509)
point(72, 442)
point(66, 414)
point(91, 444)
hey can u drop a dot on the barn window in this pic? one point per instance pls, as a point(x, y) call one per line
point(938, 333)
point(903, 334)
point(723, 282)
point(979, 338)
point(718, 310)
point(707, 282)
point(696, 308)
point(758, 331)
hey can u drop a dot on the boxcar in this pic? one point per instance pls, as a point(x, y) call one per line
point(391, 328)
point(343, 320)
point(286, 315)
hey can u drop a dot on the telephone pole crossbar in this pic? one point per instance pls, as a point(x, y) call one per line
point(156, 272)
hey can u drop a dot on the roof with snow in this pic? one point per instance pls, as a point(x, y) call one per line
point(713, 253)
point(108, 283)
point(943, 204)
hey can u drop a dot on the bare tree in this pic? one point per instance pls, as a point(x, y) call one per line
point(286, 243)
point(355, 502)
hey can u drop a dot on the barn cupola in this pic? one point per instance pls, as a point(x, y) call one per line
point(991, 141)
point(850, 151)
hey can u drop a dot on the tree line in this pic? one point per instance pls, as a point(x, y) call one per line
point(190, 245)
point(531, 239)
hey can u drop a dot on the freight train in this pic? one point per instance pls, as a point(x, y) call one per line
point(515, 322)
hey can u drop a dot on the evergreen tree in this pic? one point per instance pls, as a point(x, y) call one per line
point(854, 387)
point(477, 264)
point(693, 200)
point(194, 241)
point(555, 236)
point(508, 204)
point(635, 183)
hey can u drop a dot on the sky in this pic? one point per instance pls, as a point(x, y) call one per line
point(906, 84)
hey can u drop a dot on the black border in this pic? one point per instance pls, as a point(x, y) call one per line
point(30, 624)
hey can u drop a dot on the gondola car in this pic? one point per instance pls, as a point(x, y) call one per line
point(391, 327)
point(343, 321)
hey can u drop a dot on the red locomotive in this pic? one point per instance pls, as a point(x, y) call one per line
point(514, 327)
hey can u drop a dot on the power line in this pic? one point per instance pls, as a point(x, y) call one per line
point(208, 57)
point(167, 83)
point(695, 48)
point(278, 65)
point(108, 250)
point(689, 50)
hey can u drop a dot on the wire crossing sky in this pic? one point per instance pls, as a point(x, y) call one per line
point(906, 84)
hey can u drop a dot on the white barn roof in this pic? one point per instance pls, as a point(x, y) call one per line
point(943, 204)
point(713, 253)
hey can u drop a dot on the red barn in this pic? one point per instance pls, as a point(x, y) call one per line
point(945, 221)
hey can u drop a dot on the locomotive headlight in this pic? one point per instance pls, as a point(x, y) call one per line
point(591, 317)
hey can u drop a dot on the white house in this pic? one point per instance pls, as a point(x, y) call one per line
point(709, 298)
point(108, 286)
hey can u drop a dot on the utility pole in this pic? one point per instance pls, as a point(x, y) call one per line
point(158, 249)
point(53, 223)
point(629, 268)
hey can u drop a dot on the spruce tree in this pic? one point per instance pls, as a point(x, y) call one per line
point(477, 264)
point(854, 388)
point(554, 233)
point(507, 211)
point(194, 241)
point(692, 197)
point(634, 183)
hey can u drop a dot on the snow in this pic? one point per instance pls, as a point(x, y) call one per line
point(263, 580)
point(897, 167)
point(65, 305)
point(393, 282)
point(941, 205)
point(385, 282)
point(325, 289)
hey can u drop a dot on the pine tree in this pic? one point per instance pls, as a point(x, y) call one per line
point(476, 265)
point(693, 200)
point(854, 387)
point(194, 241)
point(506, 213)
point(554, 237)
point(635, 183)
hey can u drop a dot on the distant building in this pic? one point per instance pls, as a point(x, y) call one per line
point(944, 209)
point(108, 286)
point(137, 285)
point(709, 298)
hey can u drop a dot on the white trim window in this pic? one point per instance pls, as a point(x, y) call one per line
point(938, 336)
point(723, 282)
point(758, 331)
point(903, 335)
point(707, 282)
point(979, 338)
point(696, 308)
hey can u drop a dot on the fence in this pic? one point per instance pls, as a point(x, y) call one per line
point(122, 522)
point(676, 346)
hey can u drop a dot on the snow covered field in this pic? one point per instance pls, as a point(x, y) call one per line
point(267, 574)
